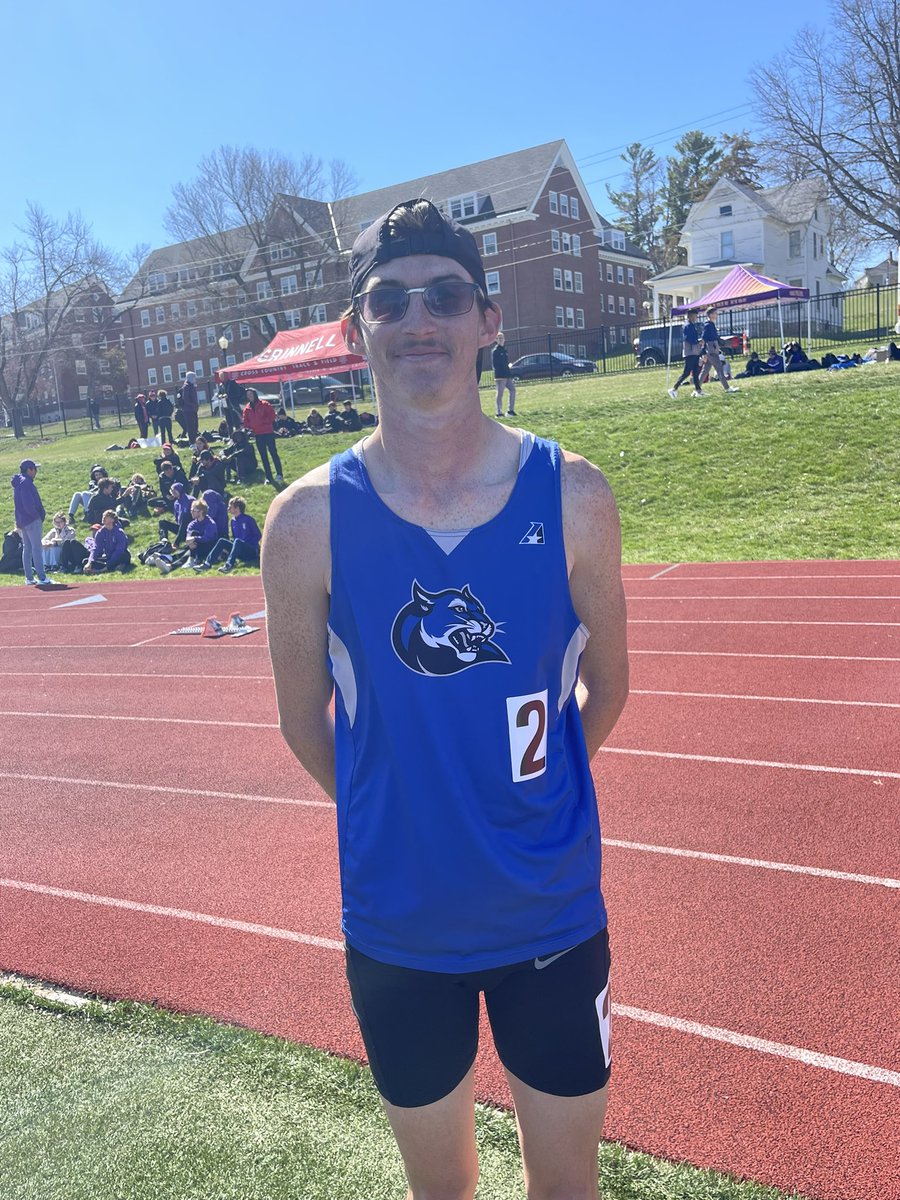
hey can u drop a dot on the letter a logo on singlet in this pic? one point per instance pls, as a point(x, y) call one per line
point(534, 536)
point(442, 633)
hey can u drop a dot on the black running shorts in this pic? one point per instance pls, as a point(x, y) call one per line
point(550, 1017)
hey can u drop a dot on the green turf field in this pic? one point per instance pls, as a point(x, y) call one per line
point(795, 466)
point(123, 1102)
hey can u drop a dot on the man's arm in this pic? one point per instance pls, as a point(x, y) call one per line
point(296, 570)
point(594, 553)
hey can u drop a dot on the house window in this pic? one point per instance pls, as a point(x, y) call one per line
point(176, 315)
point(213, 365)
point(317, 314)
point(145, 318)
point(609, 273)
point(576, 245)
point(161, 315)
point(724, 210)
point(156, 281)
point(464, 206)
point(566, 244)
point(631, 307)
point(313, 278)
point(208, 305)
point(292, 316)
point(602, 304)
point(264, 290)
point(622, 305)
point(167, 374)
point(557, 279)
point(614, 238)
point(264, 327)
point(567, 277)
point(289, 285)
point(570, 318)
point(620, 274)
point(198, 367)
point(249, 353)
point(210, 336)
point(726, 244)
point(560, 317)
point(815, 255)
point(80, 366)
point(611, 302)
point(554, 202)
point(163, 344)
point(623, 335)
point(574, 210)
point(564, 204)
point(244, 329)
point(230, 360)
point(794, 243)
point(579, 282)
point(795, 283)
point(192, 308)
point(179, 341)
point(195, 339)
point(104, 366)
point(492, 278)
point(489, 243)
point(554, 240)
point(579, 318)
point(151, 376)
point(630, 274)
point(148, 347)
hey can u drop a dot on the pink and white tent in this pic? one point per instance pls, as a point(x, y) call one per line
point(297, 354)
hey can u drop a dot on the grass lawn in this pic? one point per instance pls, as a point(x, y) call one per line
point(796, 466)
point(124, 1102)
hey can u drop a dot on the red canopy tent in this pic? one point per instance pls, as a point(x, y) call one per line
point(297, 354)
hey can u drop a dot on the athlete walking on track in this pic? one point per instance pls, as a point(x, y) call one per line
point(456, 584)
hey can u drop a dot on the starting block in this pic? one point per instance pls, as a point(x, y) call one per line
point(238, 627)
point(213, 628)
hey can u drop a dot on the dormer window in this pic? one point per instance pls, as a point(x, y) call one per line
point(614, 238)
point(724, 210)
point(465, 206)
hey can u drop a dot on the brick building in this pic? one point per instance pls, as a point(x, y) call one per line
point(554, 266)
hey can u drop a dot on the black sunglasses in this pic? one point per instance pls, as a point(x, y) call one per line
point(451, 298)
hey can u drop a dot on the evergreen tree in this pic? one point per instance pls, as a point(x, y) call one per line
point(637, 203)
point(690, 173)
point(739, 160)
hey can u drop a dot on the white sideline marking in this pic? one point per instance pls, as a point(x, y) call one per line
point(182, 914)
point(56, 716)
point(258, 616)
point(740, 762)
point(777, 699)
point(659, 574)
point(845, 575)
point(748, 654)
point(735, 860)
point(172, 791)
point(761, 596)
point(97, 599)
point(131, 675)
point(810, 1058)
point(705, 621)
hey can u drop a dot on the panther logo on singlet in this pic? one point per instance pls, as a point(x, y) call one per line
point(442, 633)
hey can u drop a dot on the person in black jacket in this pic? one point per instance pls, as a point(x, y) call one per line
point(500, 363)
point(164, 411)
point(210, 473)
point(104, 498)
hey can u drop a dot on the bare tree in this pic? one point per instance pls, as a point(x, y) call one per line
point(56, 294)
point(831, 107)
point(243, 199)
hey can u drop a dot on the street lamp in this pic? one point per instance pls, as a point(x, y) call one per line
point(223, 346)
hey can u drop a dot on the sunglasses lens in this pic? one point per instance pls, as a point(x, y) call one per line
point(449, 299)
point(383, 304)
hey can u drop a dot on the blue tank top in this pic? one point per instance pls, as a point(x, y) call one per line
point(467, 820)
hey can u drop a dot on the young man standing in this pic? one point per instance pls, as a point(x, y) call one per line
point(29, 518)
point(710, 338)
point(259, 419)
point(459, 582)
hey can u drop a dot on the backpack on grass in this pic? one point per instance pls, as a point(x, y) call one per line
point(11, 555)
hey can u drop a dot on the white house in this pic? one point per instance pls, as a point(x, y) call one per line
point(781, 232)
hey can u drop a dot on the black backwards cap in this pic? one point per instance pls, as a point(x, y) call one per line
point(439, 235)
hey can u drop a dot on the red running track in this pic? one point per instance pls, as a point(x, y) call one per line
point(748, 797)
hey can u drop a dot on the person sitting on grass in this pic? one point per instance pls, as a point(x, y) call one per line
point(55, 539)
point(134, 497)
point(755, 366)
point(202, 534)
point(169, 454)
point(775, 362)
point(239, 456)
point(84, 498)
point(893, 354)
point(181, 511)
point(244, 545)
point(105, 497)
point(109, 551)
point(215, 506)
point(209, 473)
point(169, 474)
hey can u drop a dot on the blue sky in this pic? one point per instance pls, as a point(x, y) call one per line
point(107, 105)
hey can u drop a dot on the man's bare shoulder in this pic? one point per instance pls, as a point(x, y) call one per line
point(304, 504)
point(585, 488)
point(590, 514)
point(296, 539)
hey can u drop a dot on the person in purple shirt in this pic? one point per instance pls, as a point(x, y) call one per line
point(29, 517)
point(110, 550)
point(181, 505)
point(215, 505)
point(201, 533)
point(245, 535)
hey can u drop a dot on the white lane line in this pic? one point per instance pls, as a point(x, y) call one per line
point(776, 699)
point(94, 648)
point(156, 637)
point(748, 654)
point(843, 575)
point(759, 863)
point(203, 793)
point(750, 762)
point(809, 1058)
point(33, 674)
point(181, 914)
point(65, 716)
point(760, 596)
point(709, 621)
point(659, 574)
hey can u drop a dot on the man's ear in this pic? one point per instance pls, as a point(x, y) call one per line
point(491, 322)
point(351, 335)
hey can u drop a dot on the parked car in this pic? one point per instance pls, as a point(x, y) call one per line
point(653, 341)
point(316, 390)
point(550, 366)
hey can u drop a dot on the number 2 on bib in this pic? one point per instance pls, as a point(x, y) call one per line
point(526, 718)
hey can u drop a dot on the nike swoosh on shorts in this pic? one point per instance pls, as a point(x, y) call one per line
point(540, 963)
